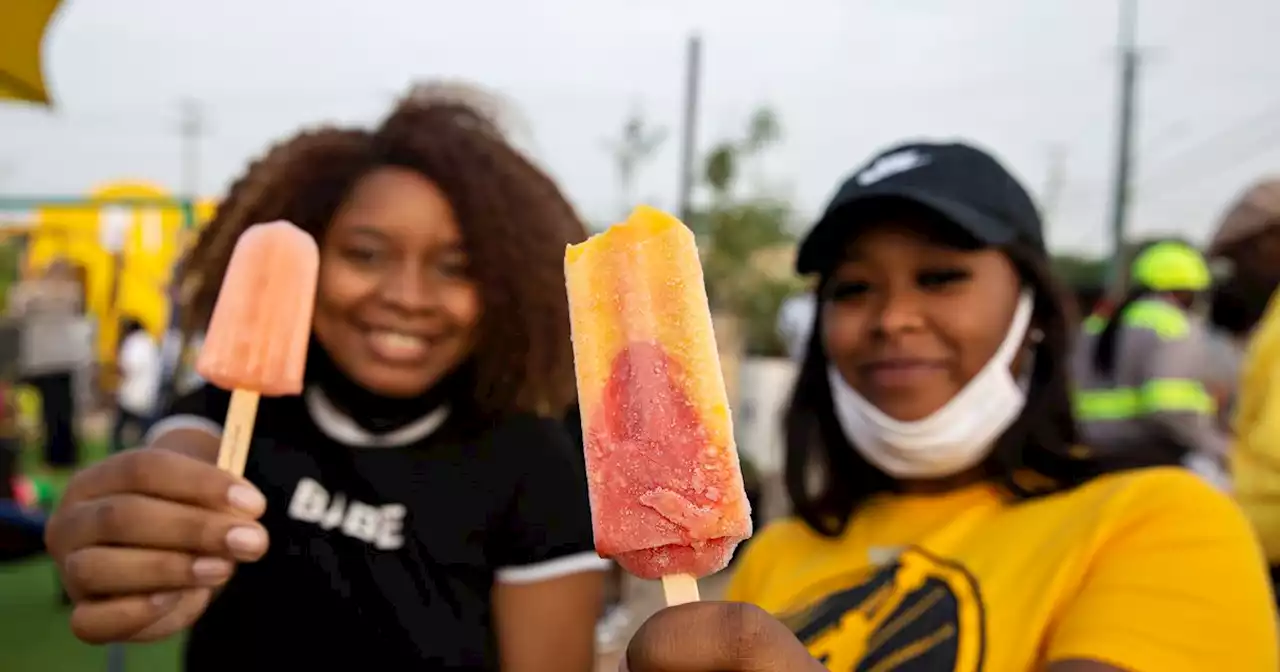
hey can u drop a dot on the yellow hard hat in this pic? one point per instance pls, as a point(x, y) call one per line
point(1171, 267)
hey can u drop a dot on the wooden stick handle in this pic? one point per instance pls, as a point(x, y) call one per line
point(237, 431)
point(680, 589)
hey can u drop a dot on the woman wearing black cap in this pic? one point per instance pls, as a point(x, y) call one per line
point(944, 518)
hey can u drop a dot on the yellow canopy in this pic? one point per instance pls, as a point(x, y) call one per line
point(22, 28)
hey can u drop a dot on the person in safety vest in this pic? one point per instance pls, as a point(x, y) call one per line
point(1141, 398)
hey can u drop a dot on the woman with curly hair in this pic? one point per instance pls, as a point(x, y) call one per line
point(419, 506)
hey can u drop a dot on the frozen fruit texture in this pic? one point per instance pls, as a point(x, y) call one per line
point(261, 324)
point(662, 502)
point(666, 489)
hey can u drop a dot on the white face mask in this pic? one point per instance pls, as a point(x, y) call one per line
point(954, 438)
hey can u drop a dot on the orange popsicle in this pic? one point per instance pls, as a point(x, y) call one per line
point(667, 498)
point(257, 339)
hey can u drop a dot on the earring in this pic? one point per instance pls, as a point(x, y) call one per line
point(1035, 336)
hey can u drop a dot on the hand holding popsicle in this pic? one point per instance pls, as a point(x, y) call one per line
point(667, 497)
point(257, 338)
point(144, 537)
point(716, 637)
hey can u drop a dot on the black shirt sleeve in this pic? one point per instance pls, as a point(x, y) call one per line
point(546, 532)
point(206, 406)
point(205, 401)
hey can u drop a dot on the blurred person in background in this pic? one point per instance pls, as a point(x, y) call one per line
point(1245, 253)
point(1089, 300)
point(420, 506)
point(138, 388)
point(1141, 396)
point(172, 345)
point(56, 347)
point(1247, 244)
point(795, 323)
point(943, 518)
point(21, 520)
point(1103, 301)
point(180, 347)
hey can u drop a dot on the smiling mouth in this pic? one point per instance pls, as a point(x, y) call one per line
point(900, 372)
point(397, 346)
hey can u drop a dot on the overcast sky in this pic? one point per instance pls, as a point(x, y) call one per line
point(1028, 79)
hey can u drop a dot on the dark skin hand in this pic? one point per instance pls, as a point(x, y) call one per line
point(716, 637)
point(145, 537)
point(737, 637)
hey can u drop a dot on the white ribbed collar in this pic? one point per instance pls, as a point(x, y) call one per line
point(338, 426)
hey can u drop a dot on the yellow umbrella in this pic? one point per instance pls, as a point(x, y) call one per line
point(22, 28)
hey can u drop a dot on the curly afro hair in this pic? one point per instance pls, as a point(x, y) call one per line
point(514, 220)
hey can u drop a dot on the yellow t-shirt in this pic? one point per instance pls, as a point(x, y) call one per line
point(1149, 571)
point(1255, 457)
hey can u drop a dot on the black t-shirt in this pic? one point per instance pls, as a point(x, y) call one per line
point(384, 549)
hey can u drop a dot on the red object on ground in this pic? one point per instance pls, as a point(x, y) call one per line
point(25, 492)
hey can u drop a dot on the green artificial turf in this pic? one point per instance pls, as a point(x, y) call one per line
point(37, 637)
point(34, 622)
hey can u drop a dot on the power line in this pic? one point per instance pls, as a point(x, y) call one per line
point(1247, 138)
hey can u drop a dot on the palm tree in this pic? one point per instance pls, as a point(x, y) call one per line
point(734, 231)
point(635, 146)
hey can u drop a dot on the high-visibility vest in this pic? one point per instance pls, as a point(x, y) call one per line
point(1097, 400)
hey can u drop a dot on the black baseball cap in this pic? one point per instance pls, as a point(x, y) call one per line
point(961, 183)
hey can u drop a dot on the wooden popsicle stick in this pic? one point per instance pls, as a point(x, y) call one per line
point(237, 431)
point(680, 589)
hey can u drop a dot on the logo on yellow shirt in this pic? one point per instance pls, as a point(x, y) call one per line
point(915, 614)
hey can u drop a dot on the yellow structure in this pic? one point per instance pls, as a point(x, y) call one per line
point(127, 254)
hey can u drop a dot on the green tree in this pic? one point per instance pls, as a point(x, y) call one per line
point(734, 231)
point(635, 146)
point(1080, 272)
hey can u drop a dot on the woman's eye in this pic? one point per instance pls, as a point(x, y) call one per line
point(453, 268)
point(848, 289)
point(941, 278)
point(362, 255)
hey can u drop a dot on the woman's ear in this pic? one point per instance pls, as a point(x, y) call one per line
point(1024, 363)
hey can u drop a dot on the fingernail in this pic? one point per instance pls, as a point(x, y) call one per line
point(164, 600)
point(246, 540)
point(247, 499)
point(211, 570)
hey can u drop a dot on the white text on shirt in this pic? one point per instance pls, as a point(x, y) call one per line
point(382, 526)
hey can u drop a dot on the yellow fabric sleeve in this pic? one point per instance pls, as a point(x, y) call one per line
point(752, 569)
point(1141, 610)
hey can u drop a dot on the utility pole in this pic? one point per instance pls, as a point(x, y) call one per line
point(191, 129)
point(1054, 183)
point(1129, 64)
point(689, 136)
